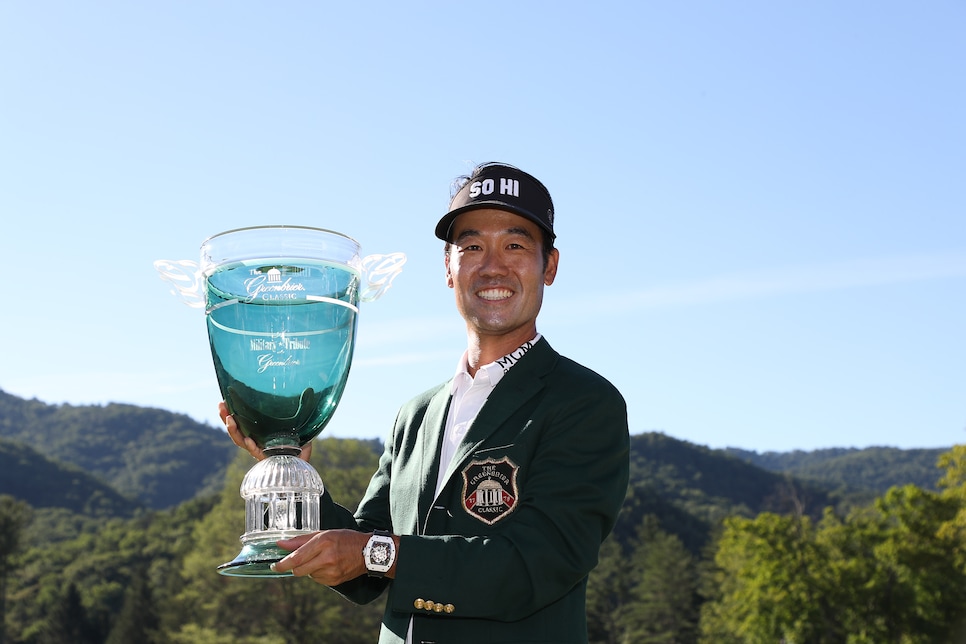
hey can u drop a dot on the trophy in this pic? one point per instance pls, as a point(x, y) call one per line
point(281, 305)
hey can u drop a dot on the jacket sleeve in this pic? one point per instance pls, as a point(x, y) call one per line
point(375, 506)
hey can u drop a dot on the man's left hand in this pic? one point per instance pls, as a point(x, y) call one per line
point(330, 557)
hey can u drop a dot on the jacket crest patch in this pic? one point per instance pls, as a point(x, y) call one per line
point(490, 489)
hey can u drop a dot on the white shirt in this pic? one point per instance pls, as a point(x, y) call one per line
point(469, 393)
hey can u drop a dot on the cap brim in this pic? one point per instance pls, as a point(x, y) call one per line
point(446, 223)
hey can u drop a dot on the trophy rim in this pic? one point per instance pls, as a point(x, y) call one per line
point(279, 227)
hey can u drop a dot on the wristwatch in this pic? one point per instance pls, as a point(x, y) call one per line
point(379, 553)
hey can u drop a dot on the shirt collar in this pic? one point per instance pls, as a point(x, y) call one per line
point(490, 374)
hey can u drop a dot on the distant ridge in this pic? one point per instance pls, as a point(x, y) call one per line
point(691, 487)
point(32, 477)
point(156, 456)
point(874, 469)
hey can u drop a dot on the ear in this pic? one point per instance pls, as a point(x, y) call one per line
point(449, 275)
point(550, 274)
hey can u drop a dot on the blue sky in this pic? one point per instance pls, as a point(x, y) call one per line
point(761, 206)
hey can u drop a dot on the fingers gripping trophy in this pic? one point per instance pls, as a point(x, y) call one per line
point(281, 305)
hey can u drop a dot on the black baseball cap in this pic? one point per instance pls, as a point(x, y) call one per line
point(502, 186)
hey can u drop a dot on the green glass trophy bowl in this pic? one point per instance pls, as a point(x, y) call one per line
point(281, 306)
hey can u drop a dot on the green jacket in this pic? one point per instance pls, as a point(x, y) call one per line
point(503, 554)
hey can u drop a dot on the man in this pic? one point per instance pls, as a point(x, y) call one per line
point(496, 488)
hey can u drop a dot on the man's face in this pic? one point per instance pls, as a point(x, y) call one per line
point(495, 264)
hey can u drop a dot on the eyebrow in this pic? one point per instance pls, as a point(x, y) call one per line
point(513, 230)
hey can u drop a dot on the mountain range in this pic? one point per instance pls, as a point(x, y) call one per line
point(118, 460)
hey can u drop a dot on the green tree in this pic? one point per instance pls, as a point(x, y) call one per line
point(138, 619)
point(771, 587)
point(917, 576)
point(953, 485)
point(885, 573)
point(69, 622)
point(608, 594)
point(663, 607)
point(644, 593)
point(14, 517)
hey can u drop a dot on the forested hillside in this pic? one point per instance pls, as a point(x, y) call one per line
point(161, 459)
point(32, 477)
point(690, 488)
point(111, 535)
point(156, 456)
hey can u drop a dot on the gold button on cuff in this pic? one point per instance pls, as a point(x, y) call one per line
point(434, 607)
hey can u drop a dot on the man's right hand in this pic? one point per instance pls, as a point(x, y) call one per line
point(247, 443)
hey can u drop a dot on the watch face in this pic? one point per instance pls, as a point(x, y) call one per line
point(379, 554)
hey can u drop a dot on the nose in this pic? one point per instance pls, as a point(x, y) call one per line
point(493, 264)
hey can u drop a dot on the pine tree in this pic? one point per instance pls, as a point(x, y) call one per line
point(664, 597)
point(138, 620)
point(608, 592)
point(69, 622)
point(14, 516)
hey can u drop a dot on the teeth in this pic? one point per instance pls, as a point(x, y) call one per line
point(495, 294)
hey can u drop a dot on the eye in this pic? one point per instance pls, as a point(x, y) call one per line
point(520, 245)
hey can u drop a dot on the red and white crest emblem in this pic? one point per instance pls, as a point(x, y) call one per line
point(490, 489)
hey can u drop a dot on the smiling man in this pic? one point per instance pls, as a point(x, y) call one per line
point(497, 487)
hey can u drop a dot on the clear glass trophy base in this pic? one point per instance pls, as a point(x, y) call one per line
point(255, 560)
point(281, 495)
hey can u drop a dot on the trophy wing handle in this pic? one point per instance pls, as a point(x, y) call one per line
point(185, 276)
point(378, 272)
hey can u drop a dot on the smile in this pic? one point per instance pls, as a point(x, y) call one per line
point(493, 294)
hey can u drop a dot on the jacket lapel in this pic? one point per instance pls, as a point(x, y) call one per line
point(523, 381)
point(429, 437)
